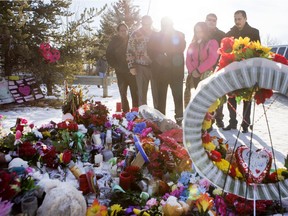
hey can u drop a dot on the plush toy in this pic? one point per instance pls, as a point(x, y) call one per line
point(175, 207)
point(61, 199)
point(18, 165)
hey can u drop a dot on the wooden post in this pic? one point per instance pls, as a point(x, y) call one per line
point(105, 86)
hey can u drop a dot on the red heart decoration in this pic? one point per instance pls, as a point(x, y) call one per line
point(24, 90)
point(55, 55)
point(260, 163)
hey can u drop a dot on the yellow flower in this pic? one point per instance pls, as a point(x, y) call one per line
point(222, 165)
point(193, 192)
point(214, 106)
point(115, 209)
point(259, 48)
point(279, 173)
point(217, 191)
point(209, 146)
point(96, 209)
point(204, 203)
point(140, 212)
point(46, 134)
point(238, 173)
point(60, 158)
point(206, 124)
point(240, 43)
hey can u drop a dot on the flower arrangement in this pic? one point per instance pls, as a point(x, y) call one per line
point(238, 49)
point(10, 185)
point(92, 114)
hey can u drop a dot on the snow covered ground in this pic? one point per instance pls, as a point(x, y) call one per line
point(276, 110)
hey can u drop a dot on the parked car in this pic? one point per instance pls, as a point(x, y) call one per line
point(280, 49)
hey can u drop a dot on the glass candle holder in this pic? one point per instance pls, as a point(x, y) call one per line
point(29, 205)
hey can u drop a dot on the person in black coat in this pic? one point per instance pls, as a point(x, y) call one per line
point(241, 29)
point(166, 50)
point(116, 58)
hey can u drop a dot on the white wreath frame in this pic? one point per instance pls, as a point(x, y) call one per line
point(237, 75)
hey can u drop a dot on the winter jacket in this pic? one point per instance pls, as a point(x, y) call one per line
point(247, 31)
point(116, 54)
point(217, 34)
point(166, 50)
point(202, 56)
point(101, 66)
point(137, 49)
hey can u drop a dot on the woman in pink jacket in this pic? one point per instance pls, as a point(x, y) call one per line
point(201, 58)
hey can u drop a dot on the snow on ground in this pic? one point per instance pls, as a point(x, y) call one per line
point(276, 112)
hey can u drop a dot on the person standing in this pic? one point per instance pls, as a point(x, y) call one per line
point(166, 50)
point(201, 57)
point(218, 35)
point(241, 29)
point(101, 67)
point(139, 62)
point(116, 57)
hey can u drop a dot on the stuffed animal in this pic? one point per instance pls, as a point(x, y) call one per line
point(175, 207)
point(61, 199)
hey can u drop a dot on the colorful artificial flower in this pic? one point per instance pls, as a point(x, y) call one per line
point(262, 94)
point(215, 156)
point(96, 209)
point(214, 106)
point(10, 185)
point(66, 156)
point(5, 207)
point(204, 203)
point(115, 209)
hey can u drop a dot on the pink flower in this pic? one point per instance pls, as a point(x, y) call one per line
point(151, 202)
point(18, 135)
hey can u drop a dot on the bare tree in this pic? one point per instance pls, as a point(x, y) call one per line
point(267, 40)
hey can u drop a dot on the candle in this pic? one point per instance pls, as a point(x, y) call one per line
point(83, 184)
point(125, 180)
point(118, 107)
point(98, 158)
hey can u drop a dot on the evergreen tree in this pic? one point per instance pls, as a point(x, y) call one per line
point(26, 24)
point(121, 11)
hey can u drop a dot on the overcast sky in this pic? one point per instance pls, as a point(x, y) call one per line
point(270, 17)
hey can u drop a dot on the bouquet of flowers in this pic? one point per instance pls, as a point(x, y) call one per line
point(233, 49)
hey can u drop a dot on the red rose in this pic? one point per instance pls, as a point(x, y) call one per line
point(73, 126)
point(67, 156)
point(279, 58)
point(136, 109)
point(226, 45)
point(62, 125)
point(206, 138)
point(262, 94)
point(27, 150)
point(225, 59)
point(215, 156)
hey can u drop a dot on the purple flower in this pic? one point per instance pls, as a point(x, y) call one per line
point(185, 178)
point(5, 207)
point(139, 127)
point(130, 116)
point(220, 205)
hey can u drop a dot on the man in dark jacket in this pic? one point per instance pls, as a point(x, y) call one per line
point(116, 57)
point(241, 29)
point(218, 35)
point(165, 49)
